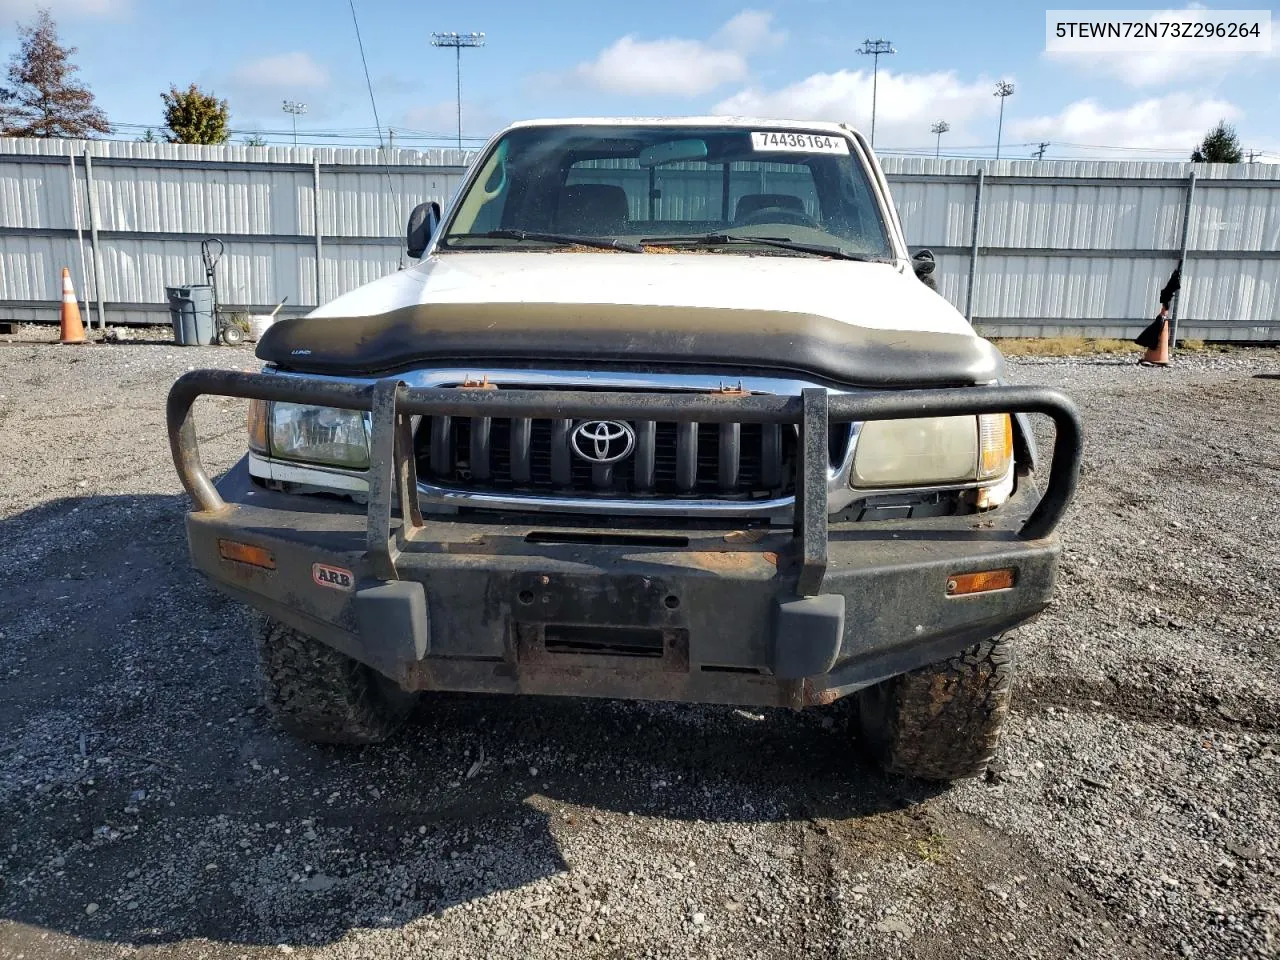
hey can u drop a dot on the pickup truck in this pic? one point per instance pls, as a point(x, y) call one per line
point(665, 410)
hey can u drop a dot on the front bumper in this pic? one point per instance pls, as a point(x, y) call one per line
point(754, 617)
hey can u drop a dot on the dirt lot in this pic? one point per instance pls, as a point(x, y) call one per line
point(149, 808)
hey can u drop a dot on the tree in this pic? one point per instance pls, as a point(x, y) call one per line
point(1220, 145)
point(255, 140)
point(148, 137)
point(43, 100)
point(194, 116)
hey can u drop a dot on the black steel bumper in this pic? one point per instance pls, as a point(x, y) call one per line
point(770, 617)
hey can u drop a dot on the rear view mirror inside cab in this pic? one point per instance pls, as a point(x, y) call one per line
point(673, 151)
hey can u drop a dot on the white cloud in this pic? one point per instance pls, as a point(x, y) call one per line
point(906, 103)
point(282, 72)
point(671, 66)
point(749, 31)
point(1176, 123)
point(677, 66)
point(26, 9)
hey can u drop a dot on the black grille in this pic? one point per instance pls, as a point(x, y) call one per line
point(747, 461)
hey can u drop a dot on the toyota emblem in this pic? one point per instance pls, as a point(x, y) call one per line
point(603, 441)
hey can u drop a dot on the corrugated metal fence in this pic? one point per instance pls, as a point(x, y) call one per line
point(1024, 247)
point(133, 214)
point(1035, 248)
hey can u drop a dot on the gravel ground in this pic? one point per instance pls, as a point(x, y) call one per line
point(148, 807)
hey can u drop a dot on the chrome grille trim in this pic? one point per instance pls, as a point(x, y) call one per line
point(521, 457)
point(779, 510)
point(643, 462)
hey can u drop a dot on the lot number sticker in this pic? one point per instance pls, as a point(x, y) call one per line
point(791, 142)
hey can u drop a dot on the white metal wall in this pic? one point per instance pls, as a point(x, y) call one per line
point(1086, 246)
point(154, 203)
point(1062, 246)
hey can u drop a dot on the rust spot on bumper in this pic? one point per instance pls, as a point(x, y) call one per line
point(818, 697)
point(730, 561)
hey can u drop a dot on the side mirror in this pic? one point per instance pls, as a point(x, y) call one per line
point(923, 263)
point(423, 222)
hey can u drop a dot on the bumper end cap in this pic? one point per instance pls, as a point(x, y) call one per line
point(808, 635)
point(393, 621)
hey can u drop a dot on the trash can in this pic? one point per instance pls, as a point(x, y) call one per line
point(191, 310)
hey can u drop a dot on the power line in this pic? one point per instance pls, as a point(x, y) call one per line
point(377, 125)
point(408, 135)
point(365, 63)
point(314, 137)
point(1038, 153)
point(1103, 146)
point(354, 133)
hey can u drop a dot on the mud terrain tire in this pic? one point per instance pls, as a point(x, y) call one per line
point(321, 695)
point(943, 721)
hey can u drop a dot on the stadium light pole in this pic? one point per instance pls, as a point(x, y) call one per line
point(457, 41)
point(1003, 89)
point(294, 109)
point(875, 48)
point(938, 129)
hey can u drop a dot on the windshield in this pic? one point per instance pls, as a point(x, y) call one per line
point(684, 187)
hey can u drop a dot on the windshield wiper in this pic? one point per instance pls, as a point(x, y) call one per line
point(784, 243)
point(565, 238)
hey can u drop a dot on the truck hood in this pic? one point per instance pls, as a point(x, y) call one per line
point(875, 295)
point(845, 322)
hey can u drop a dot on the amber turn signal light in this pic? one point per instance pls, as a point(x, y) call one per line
point(961, 584)
point(258, 423)
point(246, 553)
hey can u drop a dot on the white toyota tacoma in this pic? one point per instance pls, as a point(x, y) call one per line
point(667, 410)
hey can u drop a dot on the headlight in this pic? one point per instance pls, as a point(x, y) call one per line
point(932, 450)
point(319, 435)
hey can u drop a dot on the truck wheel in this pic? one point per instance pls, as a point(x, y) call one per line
point(943, 721)
point(324, 696)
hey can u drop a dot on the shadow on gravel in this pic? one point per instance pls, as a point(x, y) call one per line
point(145, 797)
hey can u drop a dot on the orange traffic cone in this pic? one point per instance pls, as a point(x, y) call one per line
point(72, 328)
point(1158, 356)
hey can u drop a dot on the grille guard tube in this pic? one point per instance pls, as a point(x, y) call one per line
point(393, 473)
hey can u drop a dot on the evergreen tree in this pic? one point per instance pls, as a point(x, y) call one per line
point(193, 116)
point(42, 99)
point(1220, 145)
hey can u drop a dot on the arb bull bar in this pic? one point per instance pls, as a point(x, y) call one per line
point(812, 623)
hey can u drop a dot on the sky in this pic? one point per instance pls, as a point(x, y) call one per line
point(559, 58)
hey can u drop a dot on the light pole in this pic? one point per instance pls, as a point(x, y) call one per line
point(294, 109)
point(457, 41)
point(875, 48)
point(1003, 89)
point(938, 129)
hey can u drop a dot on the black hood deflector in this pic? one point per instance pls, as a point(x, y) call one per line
point(627, 335)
